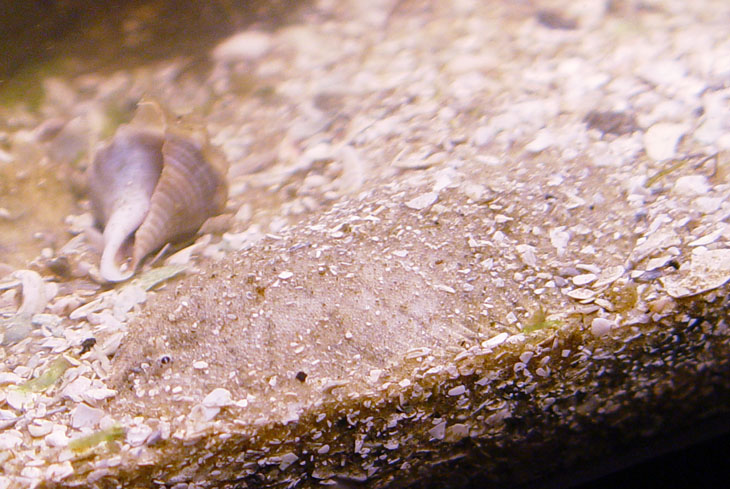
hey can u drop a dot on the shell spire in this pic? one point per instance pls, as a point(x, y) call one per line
point(152, 185)
point(190, 190)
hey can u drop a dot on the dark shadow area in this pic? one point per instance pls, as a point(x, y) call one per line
point(701, 465)
point(694, 458)
point(94, 35)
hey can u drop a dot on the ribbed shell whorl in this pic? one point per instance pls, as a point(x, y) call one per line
point(191, 189)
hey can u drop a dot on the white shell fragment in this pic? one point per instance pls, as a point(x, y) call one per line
point(658, 262)
point(691, 185)
point(10, 439)
point(543, 140)
point(84, 416)
point(244, 46)
point(439, 431)
point(661, 139)
point(654, 242)
point(581, 294)
point(203, 414)
point(495, 340)
point(708, 238)
point(57, 437)
point(287, 459)
point(137, 435)
point(40, 427)
point(706, 271)
point(476, 192)
point(457, 391)
point(705, 204)
point(128, 297)
point(559, 238)
point(58, 472)
point(76, 389)
point(483, 135)
point(609, 275)
point(584, 279)
point(423, 201)
point(218, 397)
point(527, 254)
point(35, 298)
point(98, 394)
point(7, 418)
point(18, 400)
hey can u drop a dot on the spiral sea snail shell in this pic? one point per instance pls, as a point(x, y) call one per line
point(152, 185)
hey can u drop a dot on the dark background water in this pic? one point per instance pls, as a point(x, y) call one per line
point(704, 465)
point(123, 30)
point(697, 458)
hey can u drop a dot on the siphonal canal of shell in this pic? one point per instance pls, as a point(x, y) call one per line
point(153, 183)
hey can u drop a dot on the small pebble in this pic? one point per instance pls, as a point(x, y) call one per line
point(691, 185)
point(495, 340)
point(554, 19)
point(457, 391)
point(287, 459)
point(610, 122)
point(543, 140)
point(601, 326)
point(707, 205)
point(584, 279)
point(439, 431)
point(218, 397)
point(40, 427)
point(661, 140)
point(483, 136)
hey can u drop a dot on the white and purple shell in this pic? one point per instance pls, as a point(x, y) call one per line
point(149, 188)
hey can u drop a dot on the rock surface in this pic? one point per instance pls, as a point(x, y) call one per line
point(460, 245)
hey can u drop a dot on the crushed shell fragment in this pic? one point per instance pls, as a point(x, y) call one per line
point(706, 271)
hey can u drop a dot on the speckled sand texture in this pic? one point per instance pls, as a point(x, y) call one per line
point(463, 240)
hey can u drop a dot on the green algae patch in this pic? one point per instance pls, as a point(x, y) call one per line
point(87, 442)
point(538, 320)
point(156, 276)
point(48, 378)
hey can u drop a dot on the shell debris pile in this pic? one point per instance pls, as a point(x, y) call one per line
point(445, 223)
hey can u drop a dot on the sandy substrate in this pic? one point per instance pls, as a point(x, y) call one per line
point(463, 241)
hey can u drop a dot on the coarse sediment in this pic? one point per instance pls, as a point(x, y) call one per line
point(465, 242)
